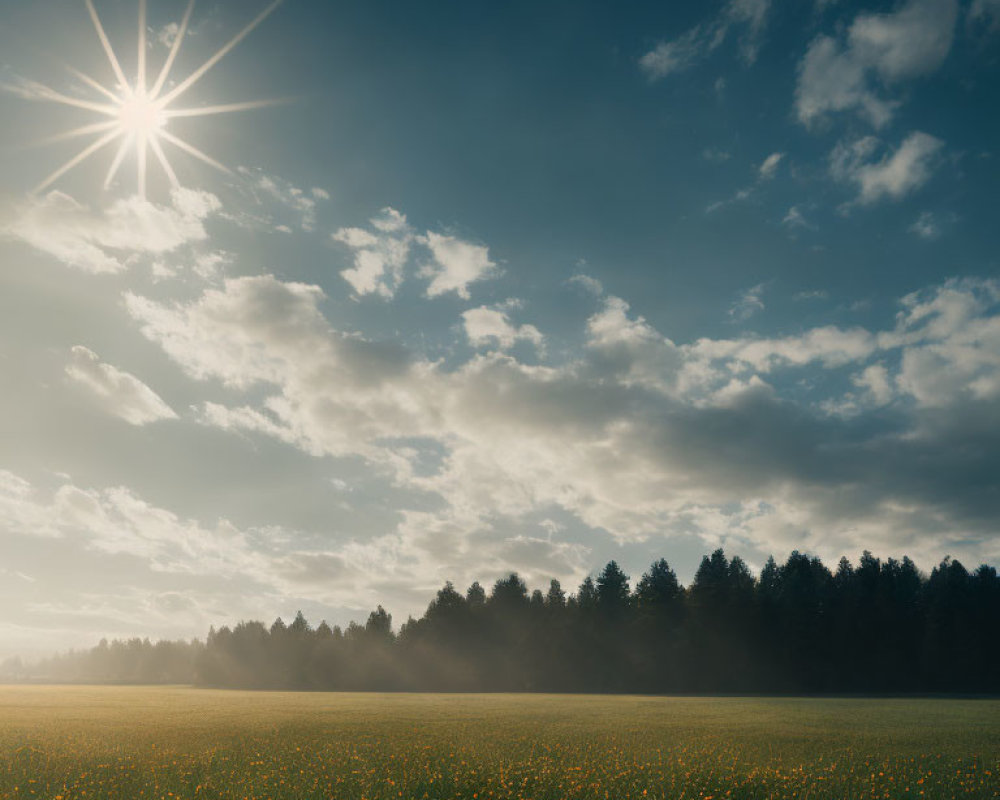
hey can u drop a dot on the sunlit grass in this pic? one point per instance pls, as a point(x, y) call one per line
point(106, 742)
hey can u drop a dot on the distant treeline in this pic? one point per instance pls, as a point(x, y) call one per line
point(880, 627)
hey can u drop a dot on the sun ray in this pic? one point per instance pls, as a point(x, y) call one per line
point(157, 148)
point(79, 157)
point(117, 160)
point(194, 151)
point(226, 108)
point(83, 130)
point(39, 91)
point(93, 84)
point(107, 45)
point(174, 50)
point(140, 81)
point(141, 141)
point(195, 76)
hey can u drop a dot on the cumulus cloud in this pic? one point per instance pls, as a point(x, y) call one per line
point(109, 239)
point(749, 17)
point(456, 264)
point(380, 253)
point(485, 326)
point(120, 393)
point(383, 251)
point(950, 344)
point(639, 436)
point(893, 176)
point(880, 51)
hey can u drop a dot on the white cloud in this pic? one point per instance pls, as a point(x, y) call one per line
point(950, 344)
point(828, 345)
point(588, 283)
point(880, 50)
point(484, 326)
point(748, 304)
point(752, 14)
point(676, 56)
point(456, 265)
point(107, 240)
point(874, 379)
point(895, 175)
point(383, 250)
point(211, 266)
point(765, 172)
point(747, 16)
point(630, 350)
point(769, 166)
point(380, 255)
point(926, 226)
point(795, 219)
point(237, 321)
point(121, 393)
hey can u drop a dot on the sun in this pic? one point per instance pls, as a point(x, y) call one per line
point(136, 114)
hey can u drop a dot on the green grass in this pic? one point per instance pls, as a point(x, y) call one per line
point(129, 743)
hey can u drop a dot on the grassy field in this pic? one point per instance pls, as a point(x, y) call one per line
point(60, 743)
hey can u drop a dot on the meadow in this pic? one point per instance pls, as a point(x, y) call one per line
point(62, 743)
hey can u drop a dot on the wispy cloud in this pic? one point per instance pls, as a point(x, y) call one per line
point(588, 283)
point(120, 393)
point(749, 17)
point(766, 171)
point(298, 205)
point(926, 226)
point(747, 304)
point(794, 219)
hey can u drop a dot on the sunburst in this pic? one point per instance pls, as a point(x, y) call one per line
point(136, 114)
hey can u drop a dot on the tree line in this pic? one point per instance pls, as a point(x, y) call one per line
point(879, 627)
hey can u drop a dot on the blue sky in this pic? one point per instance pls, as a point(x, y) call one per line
point(493, 287)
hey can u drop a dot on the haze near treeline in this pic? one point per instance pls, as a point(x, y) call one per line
point(797, 627)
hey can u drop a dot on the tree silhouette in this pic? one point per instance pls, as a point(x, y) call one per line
point(880, 626)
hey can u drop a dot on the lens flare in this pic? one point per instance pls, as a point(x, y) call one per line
point(137, 115)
